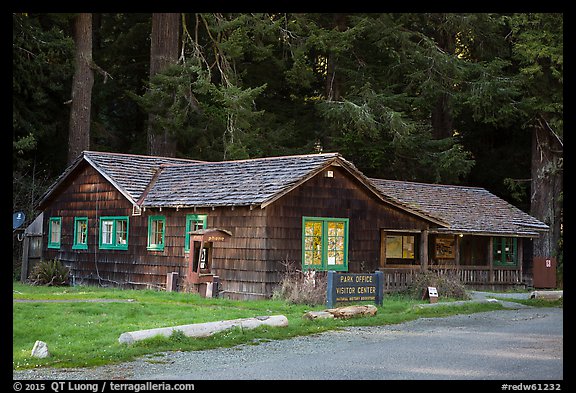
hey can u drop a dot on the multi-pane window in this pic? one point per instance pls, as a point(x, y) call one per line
point(156, 232)
point(114, 233)
point(505, 251)
point(54, 232)
point(400, 249)
point(398, 246)
point(336, 242)
point(194, 222)
point(80, 233)
point(325, 243)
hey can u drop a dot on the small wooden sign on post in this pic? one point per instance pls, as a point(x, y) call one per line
point(350, 287)
point(431, 293)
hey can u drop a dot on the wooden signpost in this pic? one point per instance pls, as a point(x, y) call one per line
point(352, 287)
point(430, 293)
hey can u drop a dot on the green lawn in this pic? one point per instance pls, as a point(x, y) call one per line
point(83, 334)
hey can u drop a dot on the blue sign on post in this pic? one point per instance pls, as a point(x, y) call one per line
point(18, 219)
point(352, 287)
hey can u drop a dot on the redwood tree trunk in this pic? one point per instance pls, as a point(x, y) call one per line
point(547, 186)
point(82, 82)
point(333, 84)
point(164, 50)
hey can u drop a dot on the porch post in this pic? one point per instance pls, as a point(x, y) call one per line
point(424, 250)
point(520, 258)
point(24, 269)
point(491, 260)
point(382, 262)
point(457, 249)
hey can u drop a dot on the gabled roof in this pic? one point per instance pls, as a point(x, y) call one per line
point(129, 173)
point(151, 181)
point(253, 182)
point(466, 209)
point(232, 183)
point(155, 182)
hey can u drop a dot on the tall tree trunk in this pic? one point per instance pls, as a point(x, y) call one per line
point(547, 187)
point(164, 51)
point(333, 85)
point(442, 121)
point(441, 116)
point(82, 82)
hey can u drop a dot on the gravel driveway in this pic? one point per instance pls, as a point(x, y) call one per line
point(520, 343)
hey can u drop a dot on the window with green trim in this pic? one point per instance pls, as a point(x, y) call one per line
point(156, 231)
point(114, 233)
point(80, 233)
point(54, 232)
point(194, 222)
point(325, 243)
point(505, 251)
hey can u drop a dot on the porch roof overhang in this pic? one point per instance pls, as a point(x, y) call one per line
point(457, 232)
point(467, 210)
point(461, 232)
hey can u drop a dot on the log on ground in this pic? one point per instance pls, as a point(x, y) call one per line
point(204, 329)
point(343, 312)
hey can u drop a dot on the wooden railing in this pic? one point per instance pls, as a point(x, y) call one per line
point(396, 279)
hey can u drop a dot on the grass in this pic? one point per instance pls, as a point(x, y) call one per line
point(85, 334)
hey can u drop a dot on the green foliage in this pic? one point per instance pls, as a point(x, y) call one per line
point(186, 103)
point(42, 54)
point(50, 273)
point(538, 47)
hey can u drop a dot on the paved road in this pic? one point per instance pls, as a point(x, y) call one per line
point(524, 344)
point(518, 344)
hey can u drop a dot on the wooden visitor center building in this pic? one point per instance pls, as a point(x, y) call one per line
point(145, 221)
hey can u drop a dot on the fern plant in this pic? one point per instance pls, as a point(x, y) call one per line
point(50, 273)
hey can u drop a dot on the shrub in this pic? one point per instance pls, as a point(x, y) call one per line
point(50, 273)
point(447, 286)
point(299, 287)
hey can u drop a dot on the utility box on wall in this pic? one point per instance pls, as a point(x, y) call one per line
point(544, 272)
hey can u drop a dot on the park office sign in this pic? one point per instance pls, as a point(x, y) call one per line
point(354, 287)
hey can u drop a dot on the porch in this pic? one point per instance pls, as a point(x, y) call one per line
point(478, 261)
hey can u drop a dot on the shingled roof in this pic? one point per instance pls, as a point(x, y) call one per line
point(470, 210)
point(253, 182)
point(154, 182)
point(232, 183)
point(129, 173)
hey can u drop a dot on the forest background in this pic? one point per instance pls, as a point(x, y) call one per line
point(456, 98)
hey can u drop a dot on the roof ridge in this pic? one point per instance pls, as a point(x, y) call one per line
point(141, 155)
point(328, 155)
